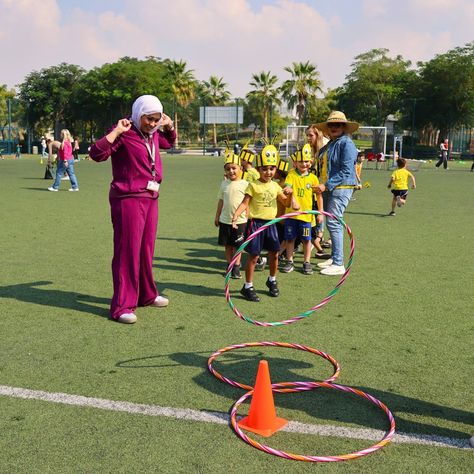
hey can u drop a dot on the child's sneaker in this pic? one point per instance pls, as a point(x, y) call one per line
point(272, 288)
point(260, 265)
point(326, 244)
point(307, 268)
point(287, 267)
point(392, 213)
point(249, 294)
point(235, 274)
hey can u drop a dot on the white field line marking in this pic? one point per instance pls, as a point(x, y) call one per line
point(223, 418)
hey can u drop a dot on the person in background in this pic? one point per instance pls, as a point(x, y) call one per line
point(134, 145)
point(75, 149)
point(443, 158)
point(65, 163)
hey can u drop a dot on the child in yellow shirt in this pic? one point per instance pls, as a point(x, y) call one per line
point(399, 185)
point(261, 199)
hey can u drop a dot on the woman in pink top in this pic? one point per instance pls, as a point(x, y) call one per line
point(65, 163)
point(134, 145)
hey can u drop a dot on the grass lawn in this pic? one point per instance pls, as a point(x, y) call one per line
point(401, 327)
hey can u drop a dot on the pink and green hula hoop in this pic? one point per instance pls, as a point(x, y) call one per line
point(310, 311)
point(278, 387)
point(306, 386)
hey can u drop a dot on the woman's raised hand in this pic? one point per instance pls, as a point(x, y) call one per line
point(123, 125)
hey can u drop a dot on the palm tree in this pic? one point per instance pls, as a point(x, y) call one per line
point(264, 96)
point(214, 94)
point(183, 85)
point(301, 88)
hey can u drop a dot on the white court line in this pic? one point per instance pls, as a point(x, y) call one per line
point(223, 418)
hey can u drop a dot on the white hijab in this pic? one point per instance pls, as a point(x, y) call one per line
point(146, 105)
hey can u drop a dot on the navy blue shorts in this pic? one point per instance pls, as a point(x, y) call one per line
point(297, 228)
point(266, 240)
point(403, 193)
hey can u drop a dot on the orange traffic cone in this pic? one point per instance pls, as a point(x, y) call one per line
point(262, 417)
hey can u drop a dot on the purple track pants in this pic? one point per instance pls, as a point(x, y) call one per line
point(134, 220)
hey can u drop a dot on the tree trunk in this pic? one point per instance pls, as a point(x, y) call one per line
point(176, 128)
point(265, 124)
point(214, 134)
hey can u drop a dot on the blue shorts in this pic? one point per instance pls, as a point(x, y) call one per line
point(267, 239)
point(297, 228)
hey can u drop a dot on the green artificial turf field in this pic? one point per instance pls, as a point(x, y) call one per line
point(401, 327)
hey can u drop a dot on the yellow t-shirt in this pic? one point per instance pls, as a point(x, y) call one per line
point(263, 204)
point(323, 168)
point(400, 178)
point(251, 175)
point(232, 193)
point(302, 192)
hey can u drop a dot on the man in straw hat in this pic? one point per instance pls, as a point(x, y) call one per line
point(337, 158)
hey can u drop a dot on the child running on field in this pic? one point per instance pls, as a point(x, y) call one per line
point(261, 199)
point(399, 185)
point(231, 194)
point(301, 182)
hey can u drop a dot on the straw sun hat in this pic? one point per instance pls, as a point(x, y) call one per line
point(337, 117)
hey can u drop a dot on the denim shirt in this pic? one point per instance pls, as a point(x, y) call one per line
point(342, 155)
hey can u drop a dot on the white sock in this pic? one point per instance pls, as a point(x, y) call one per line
point(248, 285)
point(270, 278)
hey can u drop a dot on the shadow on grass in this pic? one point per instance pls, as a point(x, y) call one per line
point(29, 293)
point(198, 290)
point(323, 404)
point(367, 213)
point(192, 265)
point(202, 240)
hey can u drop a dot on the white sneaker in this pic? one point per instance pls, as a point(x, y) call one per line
point(73, 189)
point(127, 318)
point(333, 270)
point(325, 264)
point(160, 302)
point(54, 190)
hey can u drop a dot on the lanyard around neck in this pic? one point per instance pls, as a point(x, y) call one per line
point(151, 152)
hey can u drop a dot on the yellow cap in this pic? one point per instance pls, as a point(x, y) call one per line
point(246, 154)
point(269, 156)
point(302, 155)
point(283, 165)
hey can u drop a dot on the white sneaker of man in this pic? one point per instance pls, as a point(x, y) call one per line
point(127, 318)
point(54, 190)
point(160, 302)
point(333, 270)
point(325, 264)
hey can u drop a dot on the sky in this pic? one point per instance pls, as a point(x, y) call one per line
point(232, 39)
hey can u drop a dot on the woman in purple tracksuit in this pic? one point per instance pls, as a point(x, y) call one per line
point(134, 145)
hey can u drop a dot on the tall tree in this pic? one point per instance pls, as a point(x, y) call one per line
point(374, 87)
point(46, 95)
point(445, 91)
point(215, 93)
point(264, 96)
point(183, 85)
point(301, 87)
point(7, 116)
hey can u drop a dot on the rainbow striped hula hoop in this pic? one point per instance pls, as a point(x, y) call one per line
point(283, 387)
point(310, 311)
point(305, 386)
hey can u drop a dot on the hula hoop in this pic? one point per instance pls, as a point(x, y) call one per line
point(278, 387)
point(310, 311)
point(305, 386)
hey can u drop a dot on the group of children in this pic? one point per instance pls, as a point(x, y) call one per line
point(250, 197)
